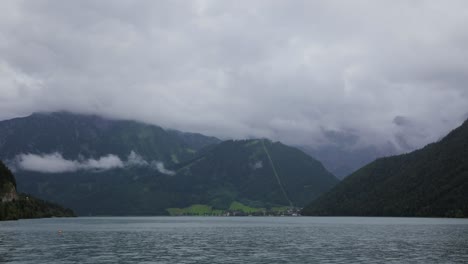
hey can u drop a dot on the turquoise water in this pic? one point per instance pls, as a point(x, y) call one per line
point(234, 240)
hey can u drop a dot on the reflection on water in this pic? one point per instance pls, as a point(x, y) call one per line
point(234, 240)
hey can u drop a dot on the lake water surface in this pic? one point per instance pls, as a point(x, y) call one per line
point(234, 240)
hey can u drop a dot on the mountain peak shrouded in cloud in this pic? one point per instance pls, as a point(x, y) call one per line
point(429, 182)
point(285, 70)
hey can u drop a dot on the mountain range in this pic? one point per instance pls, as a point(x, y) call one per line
point(99, 166)
point(74, 135)
point(432, 181)
point(342, 160)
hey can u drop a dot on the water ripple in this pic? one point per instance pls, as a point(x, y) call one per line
point(234, 240)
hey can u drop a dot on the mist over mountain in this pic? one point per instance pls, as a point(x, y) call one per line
point(101, 166)
point(432, 181)
point(343, 152)
point(62, 136)
point(342, 160)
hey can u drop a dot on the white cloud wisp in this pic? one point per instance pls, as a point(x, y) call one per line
point(56, 163)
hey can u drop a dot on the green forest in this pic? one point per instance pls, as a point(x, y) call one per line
point(432, 181)
point(23, 206)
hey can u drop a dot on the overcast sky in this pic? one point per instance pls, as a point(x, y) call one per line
point(303, 72)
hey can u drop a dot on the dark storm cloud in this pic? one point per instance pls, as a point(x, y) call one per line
point(296, 71)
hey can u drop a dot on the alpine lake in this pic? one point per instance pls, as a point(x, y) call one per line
point(234, 240)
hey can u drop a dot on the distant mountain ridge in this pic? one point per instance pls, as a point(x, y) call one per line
point(112, 167)
point(342, 161)
point(432, 181)
point(259, 170)
point(93, 136)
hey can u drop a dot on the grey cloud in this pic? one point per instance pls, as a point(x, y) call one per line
point(401, 121)
point(286, 70)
